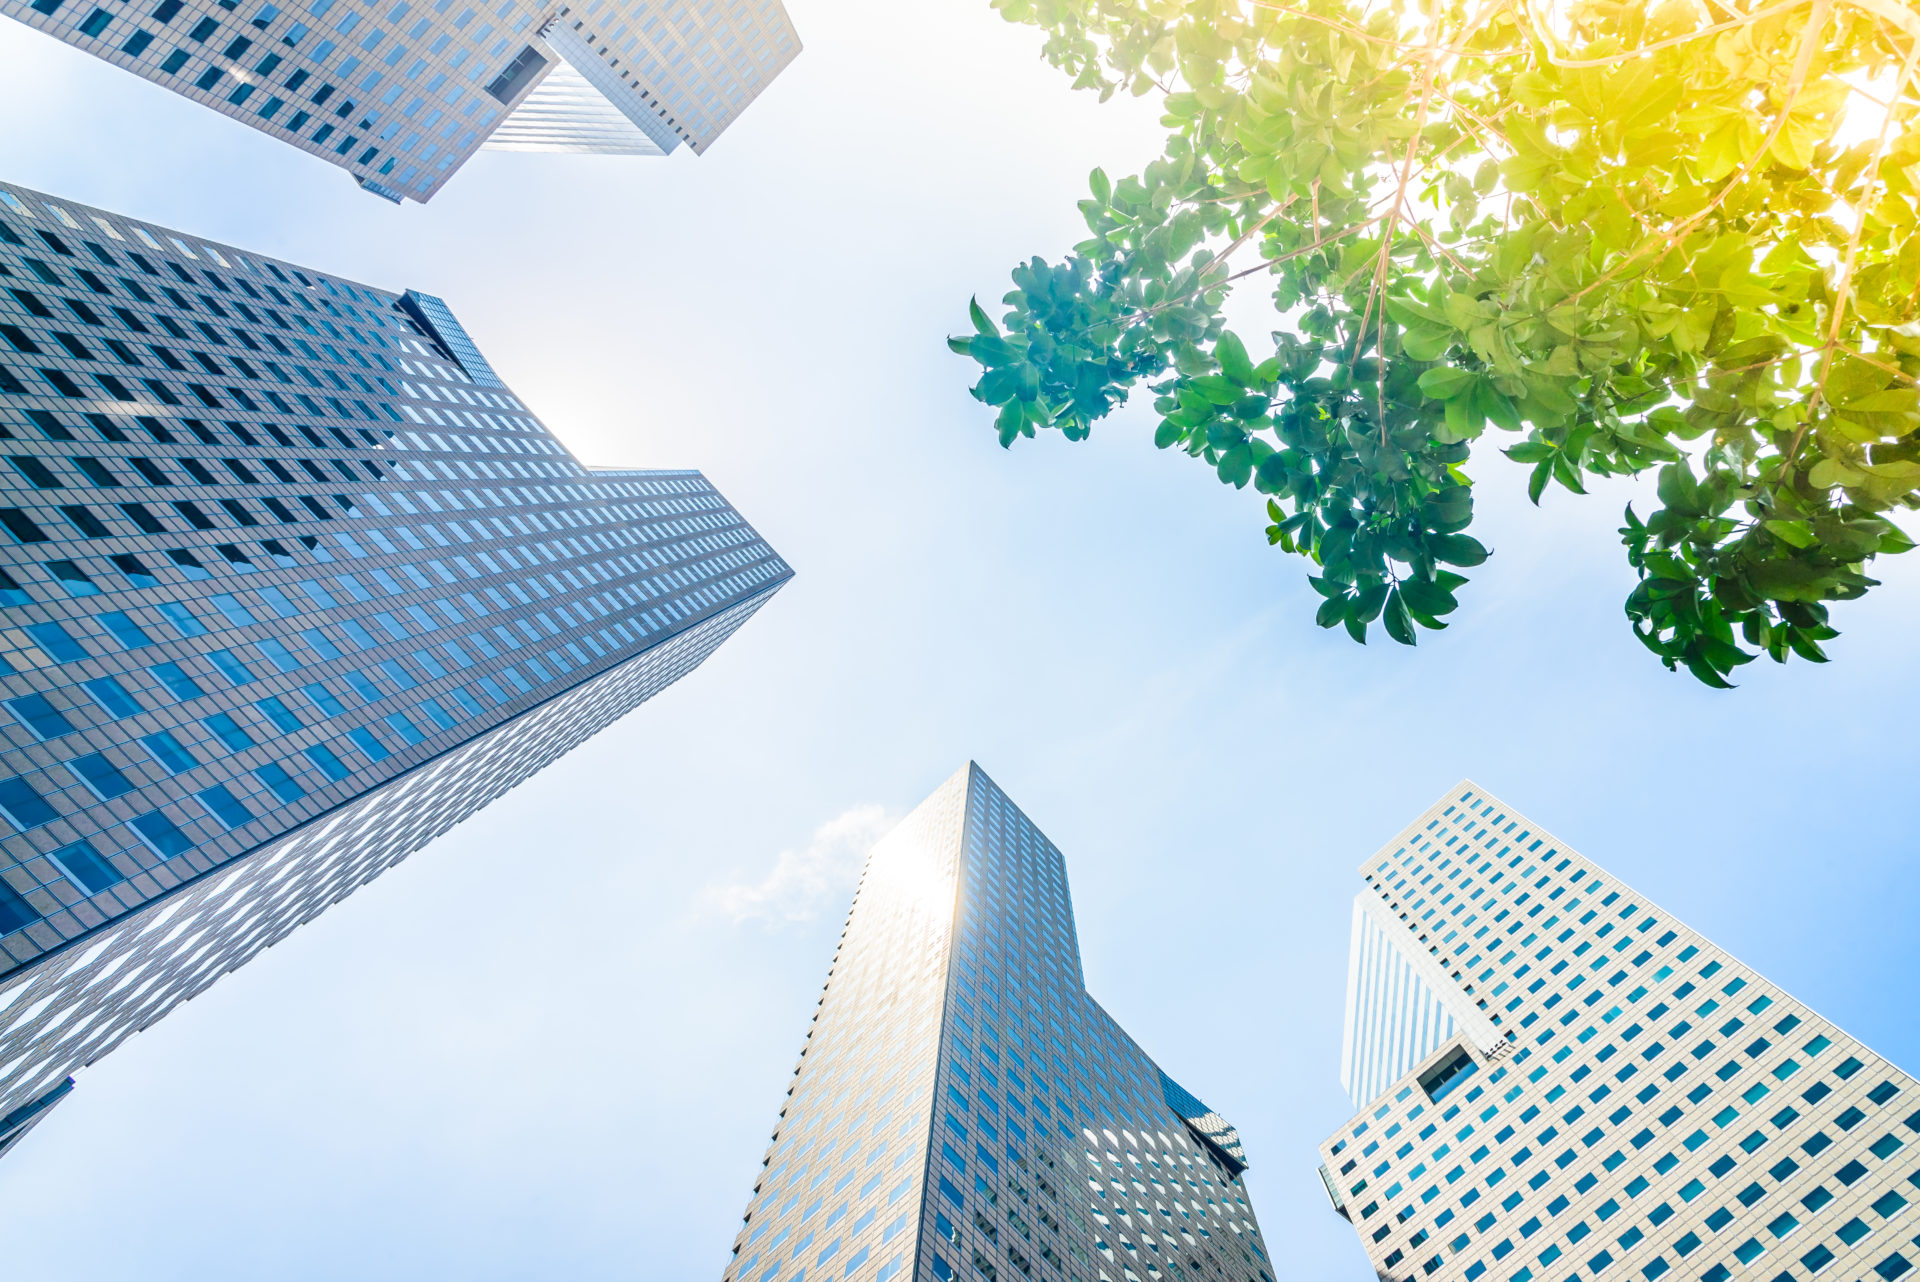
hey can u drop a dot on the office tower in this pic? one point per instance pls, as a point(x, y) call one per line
point(400, 93)
point(963, 1109)
point(1608, 1096)
point(290, 584)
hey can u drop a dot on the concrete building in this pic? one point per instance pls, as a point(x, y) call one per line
point(400, 93)
point(290, 584)
point(1603, 1093)
point(963, 1109)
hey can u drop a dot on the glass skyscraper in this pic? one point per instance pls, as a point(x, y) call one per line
point(290, 584)
point(962, 1109)
point(1605, 1094)
point(400, 93)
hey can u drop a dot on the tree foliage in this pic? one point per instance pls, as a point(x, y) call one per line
point(1676, 235)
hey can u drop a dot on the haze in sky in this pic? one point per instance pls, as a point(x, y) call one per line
point(554, 1043)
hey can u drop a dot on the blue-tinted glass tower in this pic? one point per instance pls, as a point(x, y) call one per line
point(964, 1110)
point(290, 583)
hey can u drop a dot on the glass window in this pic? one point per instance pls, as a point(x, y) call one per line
point(85, 867)
point(36, 714)
point(129, 634)
point(60, 645)
point(101, 775)
point(278, 714)
point(169, 752)
point(365, 740)
point(162, 834)
point(327, 762)
point(230, 666)
point(279, 782)
point(224, 728)
point(183, 620)
point(277, 652)
point(224, 806)
point(23, 806)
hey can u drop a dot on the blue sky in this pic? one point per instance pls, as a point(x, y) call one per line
point(553, 1043)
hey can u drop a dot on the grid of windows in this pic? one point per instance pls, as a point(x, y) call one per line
point(964, 1109)
point(1629, 1101)
point(223, 625)
point(400, 93)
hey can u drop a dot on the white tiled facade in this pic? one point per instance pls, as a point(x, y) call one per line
point(1623, 1101)
point(400, 93)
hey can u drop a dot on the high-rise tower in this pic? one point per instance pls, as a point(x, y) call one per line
point(400, 93)
point(1603, 1094)
point(290, 584)
point(962, 1107)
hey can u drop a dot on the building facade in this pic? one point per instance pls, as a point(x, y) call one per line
point(290, 583)
point(400, 93)
point(1616, 1099)
point(962, 1109)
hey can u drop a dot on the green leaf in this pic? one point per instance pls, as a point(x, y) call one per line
point(1102, 189)
point(980, 322)
point(1457, 549)
point(1233, 358)
point(1395, 620)
point(1445, 382)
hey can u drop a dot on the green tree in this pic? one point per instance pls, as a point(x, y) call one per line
point(1675, 235)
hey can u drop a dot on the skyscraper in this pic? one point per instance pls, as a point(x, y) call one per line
point(291, 583)
point(1608, 1095)
point(963, 1109)
point(400, 93)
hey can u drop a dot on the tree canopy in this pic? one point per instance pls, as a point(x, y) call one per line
point(1674, 235)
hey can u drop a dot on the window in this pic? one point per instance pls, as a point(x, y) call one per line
point(278, 714)
point(183, 620)
point(178, 683)
point(129, 634)
point(60, 646)
point(365, 740)
point(169, 752)
point(112, 697)
point(36, 714)
point(277, 652)
point(1852, 1231)
point(23, 806)
point(224, 728)
point(162, 834)
point(101, 775)
point(281, 784)
point(224, 806)
point(323, 699)
point(230, 666)
point(327, 763)
point(84, 867)
point(16, 912)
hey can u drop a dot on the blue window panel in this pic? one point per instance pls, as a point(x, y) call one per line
point(59, 644)
point(229, 605)
point(277, 714)
point(177, 682)
point(277, 781)
point(433, 667)
point(278, 654)
point(358, 634)
point(392, 626)
point(365, 740)
point(129, 634)
point(36, 714)
point(183, 620)
point(323, 699)
point(321, 643)
point(23, 806)
point(363, 686)
point(327, 762)
point(162, 834)
point(492, 690)
point(282, 606)
point(402, 726)
point(397, 674)
point(230, 667)
point(224, 806)
point(439, 715)
point(169, 752)
point(468, 704)
point(112, 697)
point(72, 578)
point(101, 775)
point(85, 867)
point(228, 731)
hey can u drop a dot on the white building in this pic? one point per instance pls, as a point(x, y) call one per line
point(400, 93)
point(1558, 1080)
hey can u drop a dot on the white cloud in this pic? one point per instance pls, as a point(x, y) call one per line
point(804, 882)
